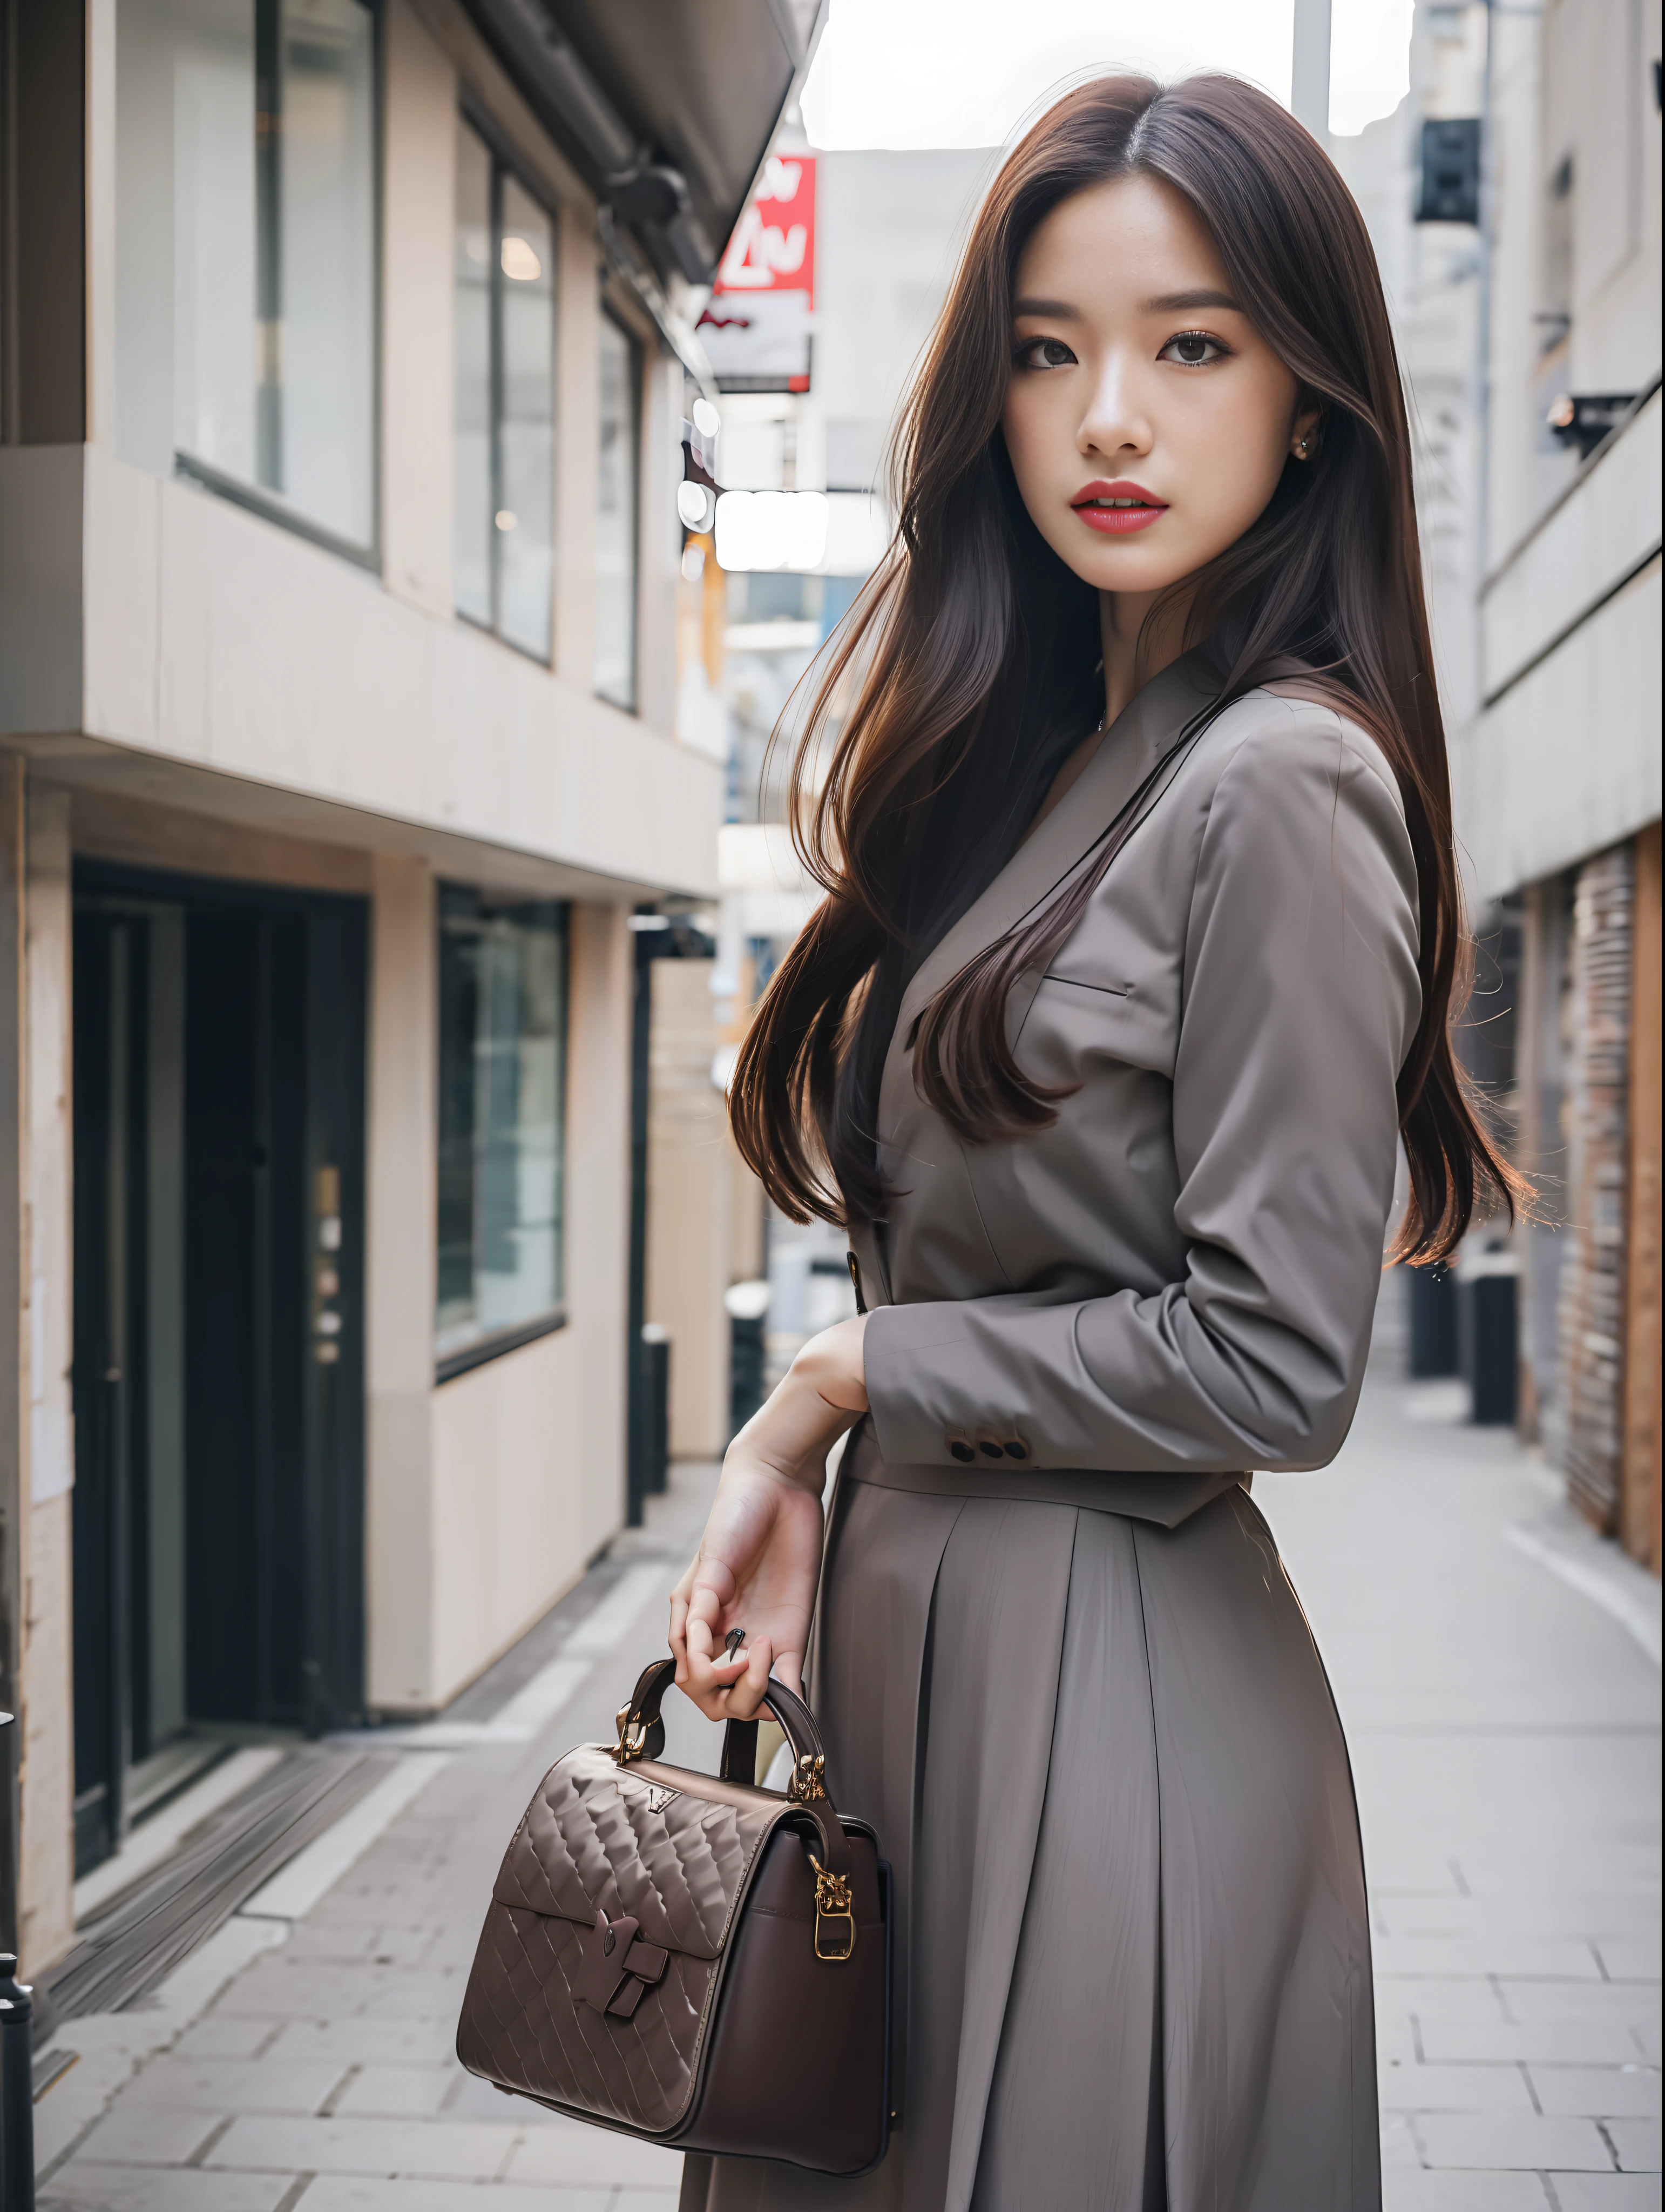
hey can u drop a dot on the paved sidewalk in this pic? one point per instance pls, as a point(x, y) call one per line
point(304, 2054)
point(1506, 1733)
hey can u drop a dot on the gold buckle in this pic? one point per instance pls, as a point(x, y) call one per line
point(631, 1743)
point(832, 1902)
point(805, 1784)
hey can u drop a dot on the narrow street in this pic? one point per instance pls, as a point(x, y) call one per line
point(1504, 1715)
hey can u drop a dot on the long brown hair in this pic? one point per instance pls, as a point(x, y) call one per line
point(973, 650)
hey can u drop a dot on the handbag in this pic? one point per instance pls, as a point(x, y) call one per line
point(691, 1958)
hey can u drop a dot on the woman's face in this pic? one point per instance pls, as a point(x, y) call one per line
point(1148, 421)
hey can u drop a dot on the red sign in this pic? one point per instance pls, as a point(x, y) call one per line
point(773, 246)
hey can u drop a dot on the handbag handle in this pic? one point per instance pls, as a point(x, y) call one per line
point(642, 1735)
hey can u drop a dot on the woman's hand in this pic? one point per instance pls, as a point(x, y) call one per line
point(759, 1558)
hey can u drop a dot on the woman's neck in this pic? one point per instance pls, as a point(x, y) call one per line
point(1137, 647)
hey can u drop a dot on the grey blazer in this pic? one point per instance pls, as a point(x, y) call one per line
point(1175, 1283)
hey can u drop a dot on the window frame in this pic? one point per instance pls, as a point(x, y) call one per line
point(608, 313)
point(254, 499)
point(447, 1366)
point(504, 159)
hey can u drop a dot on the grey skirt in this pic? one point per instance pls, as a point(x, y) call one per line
point(1133, 1954)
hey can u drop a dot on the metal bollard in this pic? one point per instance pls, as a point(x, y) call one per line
point(17, 2089)
point(16, 2006)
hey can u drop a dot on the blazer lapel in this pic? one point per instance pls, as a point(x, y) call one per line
point(1130, 748)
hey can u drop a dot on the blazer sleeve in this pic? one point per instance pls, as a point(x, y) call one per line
point(1300, 999)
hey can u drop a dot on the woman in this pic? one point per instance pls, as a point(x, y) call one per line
point(1136, 961)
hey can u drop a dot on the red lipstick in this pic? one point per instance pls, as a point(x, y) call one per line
point(1117, 509)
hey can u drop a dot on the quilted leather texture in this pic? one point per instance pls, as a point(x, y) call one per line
point(591, 1840)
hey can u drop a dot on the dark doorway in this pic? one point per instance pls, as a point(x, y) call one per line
point(647, 1356)
point(218, 1380)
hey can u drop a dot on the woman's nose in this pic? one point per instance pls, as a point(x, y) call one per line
point(1115, 422)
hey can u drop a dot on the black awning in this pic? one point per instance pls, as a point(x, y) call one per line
point(667, 106)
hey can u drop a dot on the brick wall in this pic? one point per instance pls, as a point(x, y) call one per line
point(1591, 1319)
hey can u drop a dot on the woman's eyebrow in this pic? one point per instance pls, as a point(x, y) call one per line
point(1179, 303)
point(1170, 303)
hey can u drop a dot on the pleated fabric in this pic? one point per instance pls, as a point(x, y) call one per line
point(1133, 1953)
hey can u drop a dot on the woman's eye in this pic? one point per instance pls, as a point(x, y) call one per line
point(1045, 353)
point(1192, 349)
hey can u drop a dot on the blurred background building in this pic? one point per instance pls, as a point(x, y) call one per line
point(1561, 774)
point(888, 229)
point(1514, 198)
point(347, 353)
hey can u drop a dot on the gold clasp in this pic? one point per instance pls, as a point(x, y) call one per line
point(632, 1742)
point(805, 1784)
point(833, 1901)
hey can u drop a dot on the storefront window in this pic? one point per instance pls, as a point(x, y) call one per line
point(502, 1124)
point(245, 151)
point(505, 400)
point(615, 531)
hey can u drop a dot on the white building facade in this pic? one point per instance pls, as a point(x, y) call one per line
point(346, 353)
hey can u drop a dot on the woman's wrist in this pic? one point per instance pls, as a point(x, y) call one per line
point(820, 1397)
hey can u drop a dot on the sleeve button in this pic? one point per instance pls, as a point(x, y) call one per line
point(959, 1444)
point(1016, 1448)
point(989, 1444)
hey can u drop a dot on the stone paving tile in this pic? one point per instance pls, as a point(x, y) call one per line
point(1510, 1954)
point(455, 2150)
point(224, 2037)
point(1416, 2190)
point(1637, 2142)
point(1395, 1874)
point(1603, 2092)
point(235, 2085)
point(110, 2045)
point(1455, 2089)
point(469, 2098)
point(1468, 1996)
point(1400, 2148)
point(132, 2134)
point(1603, 1919)
point(410, 2092)
point(405, 1899)
point(1520, 2140)
point(1537, 2000)
point(1546, 2042)
point(402, 1892)
point(569, 2153)
point(90, 2187)
point(1607, 2192)
point(371, 2042)
point(1625, 1876)
point(337, 2192)
point(277, 1988)
point(273, 1989)
point(645, 2200)
point(1395, 2039)
point(1630, 1958)
point(339, 1939)
point(419, 1996)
